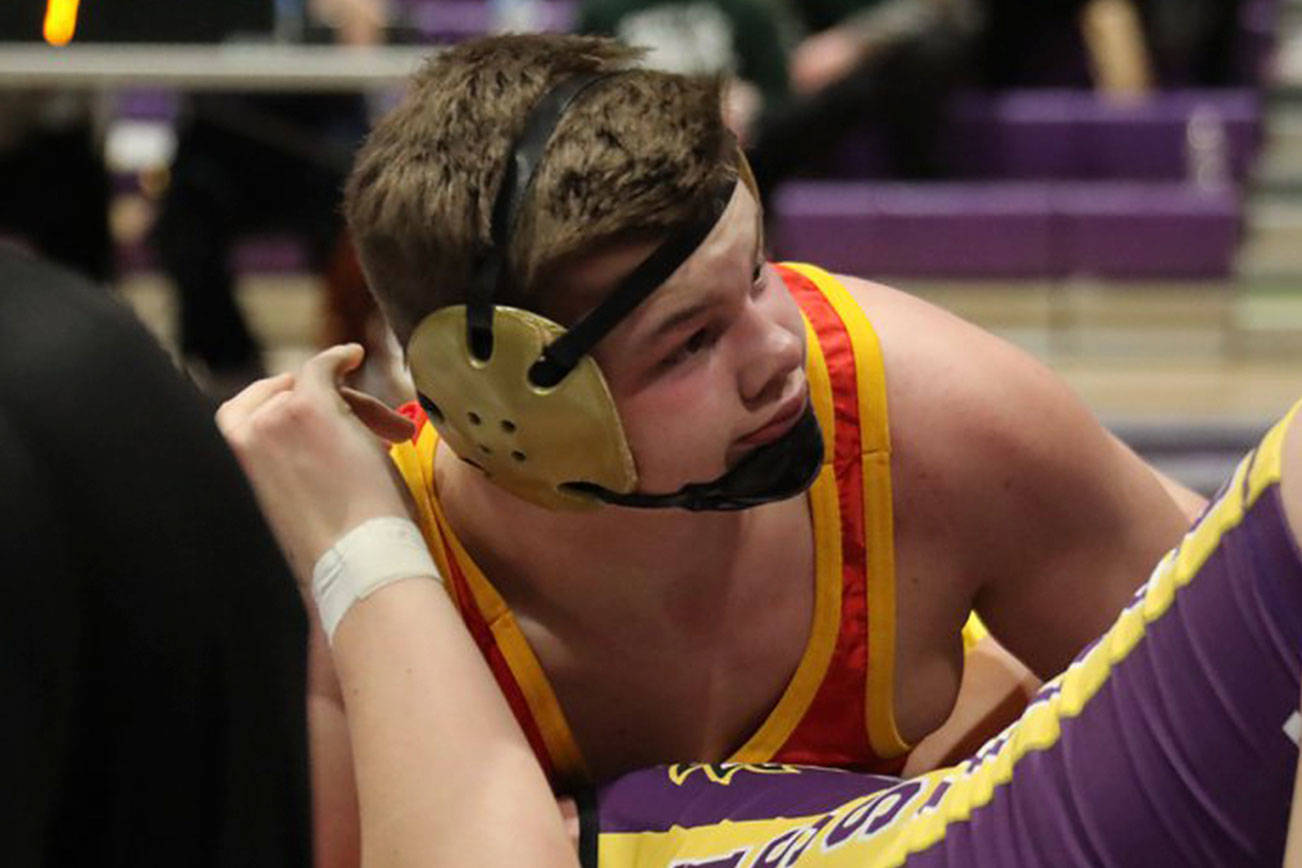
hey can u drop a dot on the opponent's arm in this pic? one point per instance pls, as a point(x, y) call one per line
point(444, 775)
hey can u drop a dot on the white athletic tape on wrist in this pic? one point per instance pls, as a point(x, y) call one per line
point(376, 553)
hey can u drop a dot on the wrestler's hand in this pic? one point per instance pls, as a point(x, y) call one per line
point(314, 455)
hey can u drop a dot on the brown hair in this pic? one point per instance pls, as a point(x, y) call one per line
point(637, 154)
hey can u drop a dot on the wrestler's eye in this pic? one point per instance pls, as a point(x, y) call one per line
point(758, 279)
point(701, 339)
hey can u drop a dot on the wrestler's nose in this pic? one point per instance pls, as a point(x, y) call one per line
point(774, 354)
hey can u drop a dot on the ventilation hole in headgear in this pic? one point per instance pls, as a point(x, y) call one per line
point(474, 418)
point(508, 426)
point(517, 455)
point(432, 411)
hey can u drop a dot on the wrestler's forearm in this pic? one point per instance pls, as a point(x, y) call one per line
point(444, 774)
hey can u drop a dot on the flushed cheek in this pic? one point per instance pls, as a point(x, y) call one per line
point(678, 435)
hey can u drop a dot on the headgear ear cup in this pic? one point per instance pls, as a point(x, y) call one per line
point(529, 439)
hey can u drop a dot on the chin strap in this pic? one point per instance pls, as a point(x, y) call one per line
point(784, 468)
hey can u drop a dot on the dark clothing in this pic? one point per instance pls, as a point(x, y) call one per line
point(152, 638)
point(56, 197)
point(1033, 45)
point(247, 163)
point(899, 92)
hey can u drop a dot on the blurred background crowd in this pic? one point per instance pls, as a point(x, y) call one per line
point(1115, 185)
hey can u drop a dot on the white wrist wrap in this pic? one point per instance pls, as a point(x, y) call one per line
point(376, 553)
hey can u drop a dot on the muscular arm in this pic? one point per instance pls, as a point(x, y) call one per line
point(1189, 502)
point(1073, 520)
point(1079, 520)
point(1030, 510)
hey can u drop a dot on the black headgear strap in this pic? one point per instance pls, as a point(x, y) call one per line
point(526, 154)
point(562, 355)
point(778, 470)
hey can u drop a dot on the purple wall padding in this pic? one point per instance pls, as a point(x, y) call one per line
point(146, 104)
point(1009, 230)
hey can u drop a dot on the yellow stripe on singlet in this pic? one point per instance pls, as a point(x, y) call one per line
point(878, 516)
point(825, 514)
point(417, 464)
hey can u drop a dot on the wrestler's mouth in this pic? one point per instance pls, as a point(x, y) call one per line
point(782, 421)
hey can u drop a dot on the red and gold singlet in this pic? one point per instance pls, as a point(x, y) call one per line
point(837, 710)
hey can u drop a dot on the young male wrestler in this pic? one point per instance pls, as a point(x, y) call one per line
point(1172, 739)
point(821, 623)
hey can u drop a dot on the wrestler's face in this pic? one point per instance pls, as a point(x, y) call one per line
point(711, 365)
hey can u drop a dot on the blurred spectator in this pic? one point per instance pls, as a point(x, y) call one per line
point(740, 39)
point(56, 187)
point(1195, 42)
point(889, 62)
point(154, 645)
point(1097, 44)
point(249, 162)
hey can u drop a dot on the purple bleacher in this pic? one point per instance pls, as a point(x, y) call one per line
point(1063, 134)
point(456, 20)
point(976, 229)
point(870, 228)
point(1147, 230)
point(270, 253)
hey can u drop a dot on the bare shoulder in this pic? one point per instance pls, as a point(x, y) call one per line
point(950, 383)
point(990, 441)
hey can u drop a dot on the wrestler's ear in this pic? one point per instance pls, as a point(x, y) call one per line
point(382, 421)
